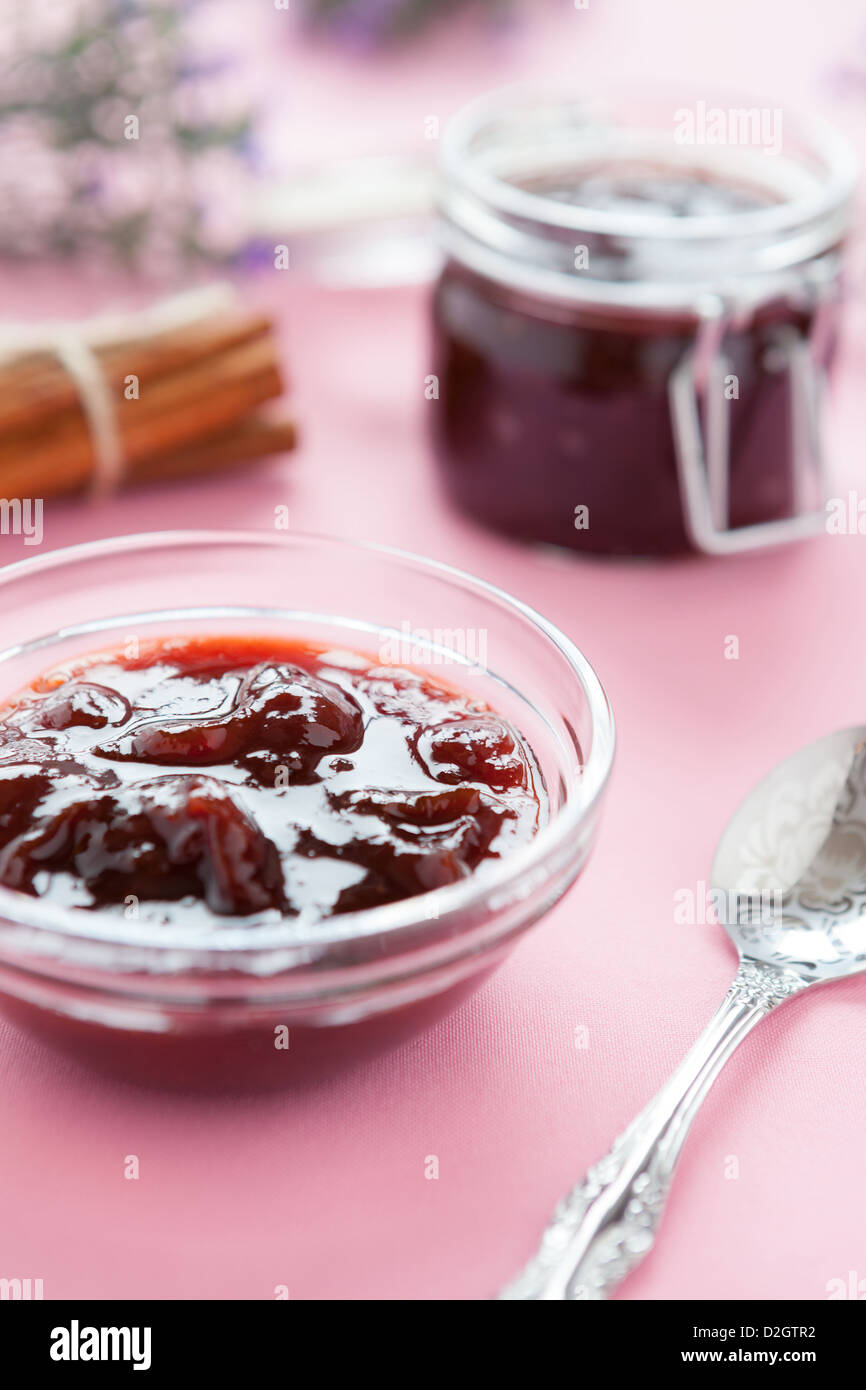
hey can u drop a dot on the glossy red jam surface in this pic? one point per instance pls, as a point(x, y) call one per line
point(253, 778)
point(548, 407)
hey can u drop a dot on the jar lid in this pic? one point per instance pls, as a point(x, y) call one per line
point(517, 202)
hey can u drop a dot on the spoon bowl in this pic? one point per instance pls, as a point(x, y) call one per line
point(790, 868)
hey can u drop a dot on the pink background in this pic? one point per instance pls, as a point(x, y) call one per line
point(323, 1189)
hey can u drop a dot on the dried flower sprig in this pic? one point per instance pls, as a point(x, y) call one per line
point(120, 134)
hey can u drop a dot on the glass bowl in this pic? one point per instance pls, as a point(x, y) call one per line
point(186, 999)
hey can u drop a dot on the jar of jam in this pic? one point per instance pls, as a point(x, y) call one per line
point(635, 319)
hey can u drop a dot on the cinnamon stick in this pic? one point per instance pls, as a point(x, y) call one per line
point(256, 438)
point(36, 386)
point(195, 406)
point(171, 411)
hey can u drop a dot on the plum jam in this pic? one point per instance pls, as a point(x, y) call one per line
point(630, 336)
point(255, 779)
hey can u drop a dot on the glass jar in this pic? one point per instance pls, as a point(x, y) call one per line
point(635, 318)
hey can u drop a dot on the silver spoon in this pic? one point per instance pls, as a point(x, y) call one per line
point(789, 885)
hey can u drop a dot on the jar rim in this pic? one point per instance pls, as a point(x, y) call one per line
point(489, 220)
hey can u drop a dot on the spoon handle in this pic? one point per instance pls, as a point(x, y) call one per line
point(603, 1228)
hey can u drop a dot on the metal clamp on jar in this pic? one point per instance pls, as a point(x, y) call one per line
point(635, 319)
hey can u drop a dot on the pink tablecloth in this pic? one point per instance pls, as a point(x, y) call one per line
point(323, 1190)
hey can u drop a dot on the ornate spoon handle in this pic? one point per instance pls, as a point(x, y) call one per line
point(606, 1224)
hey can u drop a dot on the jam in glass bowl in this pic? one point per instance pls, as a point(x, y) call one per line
point(635, 318)
point(266, 801)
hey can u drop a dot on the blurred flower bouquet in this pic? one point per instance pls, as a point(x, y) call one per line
point(123, 132)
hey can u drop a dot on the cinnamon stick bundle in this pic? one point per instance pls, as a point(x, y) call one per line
point(185, 400)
